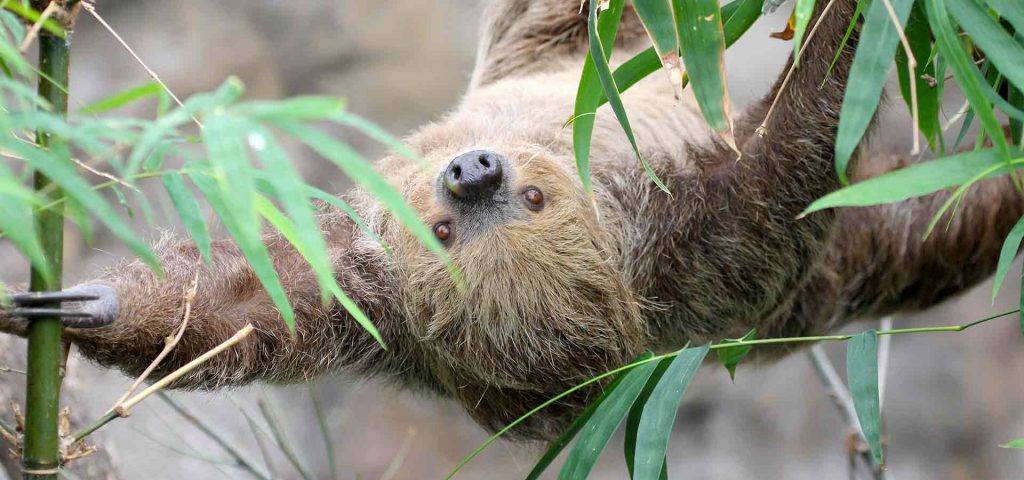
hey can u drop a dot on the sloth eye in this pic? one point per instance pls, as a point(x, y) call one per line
point(443, 231)
point(534, 198)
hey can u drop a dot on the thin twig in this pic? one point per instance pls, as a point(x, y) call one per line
point(9, 433)
point(958, 115)
point(30, 36)
point(280, 439)
point(237, 456)
point(92, 11)
point(124, 409)
point(11, 370)
point(762, 130)
point(169, 342)
point(103, 174)
point(844, 403)
point(911, 68)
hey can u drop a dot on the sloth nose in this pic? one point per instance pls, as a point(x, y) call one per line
point(474, 175)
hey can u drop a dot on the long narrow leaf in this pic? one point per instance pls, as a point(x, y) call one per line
point(604, 74)
point(870, 66)
point(998, 45)
point(121, 99)
point(605, 420)
point(801, 17)
point(952, 49)
point(862, 374)
point(1007, 254)
point(913, 181)
point(702, 43)
point(590, 89)
point(919, 38)
point(656, 16)
point(1011, 10)
point(636, 412)
point(188, 209)
point(659, 413)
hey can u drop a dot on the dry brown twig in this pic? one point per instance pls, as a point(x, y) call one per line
point(169, 342)
point(33, 32)
point(911, 68)
point(11, 370)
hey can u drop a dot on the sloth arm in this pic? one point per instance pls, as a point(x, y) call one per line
point(227, 297)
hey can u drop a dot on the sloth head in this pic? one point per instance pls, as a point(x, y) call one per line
point(544, 305)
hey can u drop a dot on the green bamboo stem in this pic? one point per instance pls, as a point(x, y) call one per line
point(40, 456)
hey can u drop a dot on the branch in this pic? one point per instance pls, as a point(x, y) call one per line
point(124, 409)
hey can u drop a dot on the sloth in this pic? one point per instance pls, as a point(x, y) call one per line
point(559, 284)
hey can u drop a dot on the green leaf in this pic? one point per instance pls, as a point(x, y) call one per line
point(801, 17)
point(919, 38)
point(297, 109)
point(606, 418)
point(604, 74)
point(659, 413)
point(590, 89)
point(188, 209)
point(857, 12)
point(289, 230)
point(1007, 254)
point(998, 45)
point(702, 44)
point(870, 67)
point(730, 357)
point(952, 49)
point(54, 164)
point(1018, 443)
point(32, 16)
point(362, 172)
point(739, 15)
point(656, 16)
point(862, 374)
point(17, 223)
point(555, 448)
point(916, 180)
point(377, 133)
point(636, 411)
point(124, 98)
point(1011, 10)
point(234, 200)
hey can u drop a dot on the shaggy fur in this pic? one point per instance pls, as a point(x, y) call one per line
point(556, 296)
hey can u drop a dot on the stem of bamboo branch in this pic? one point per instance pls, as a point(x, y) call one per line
point(40, 456)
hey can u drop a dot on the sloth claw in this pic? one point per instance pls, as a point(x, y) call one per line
point(89, 306)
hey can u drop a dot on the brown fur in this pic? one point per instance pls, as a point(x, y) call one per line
point(557, 296)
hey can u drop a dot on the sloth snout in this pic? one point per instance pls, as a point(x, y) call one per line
point(474, 176)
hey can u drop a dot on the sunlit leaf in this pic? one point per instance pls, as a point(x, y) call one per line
point(730, 357)
point(296, 109)
point(862, 374)
point(123, 98)
point(870, 67)
point(919, 179)
point(659, 413)
point(1018, 443)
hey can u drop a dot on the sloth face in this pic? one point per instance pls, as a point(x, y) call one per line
point(543, 307)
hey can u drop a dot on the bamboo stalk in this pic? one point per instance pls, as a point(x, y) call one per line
point(40, 456)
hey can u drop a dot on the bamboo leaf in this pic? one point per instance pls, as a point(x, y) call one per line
point(656, 16)
point(629, 443)
point(358, 169)
point(1010, 246)
point(1010, 10)
point(32, 16)
point(862, 374)
point(998, 45)
point(602, 424)
point(188, 209)
point(590, 88)
point(377, 133)
point(288, 229)
point(916, 180)
point(919, 38)
point(16, 222)
point(63, 173)
point(555, 448)
point(296, 109)
point(870, 66)
point(659, 413)
point(702, 44)
point(604, 74)
point(234, 200)
point(801, 17)
point(732, 356)
point(123, 98)
point(952, 49)
point(1018, 443)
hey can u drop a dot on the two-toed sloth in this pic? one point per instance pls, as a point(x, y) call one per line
point(561, 286)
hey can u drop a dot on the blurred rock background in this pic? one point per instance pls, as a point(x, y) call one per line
point(950, 399)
